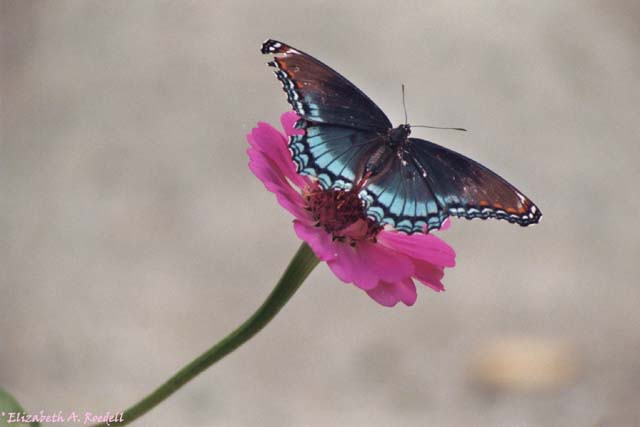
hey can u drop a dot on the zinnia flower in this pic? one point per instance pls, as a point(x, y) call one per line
point(380, 261)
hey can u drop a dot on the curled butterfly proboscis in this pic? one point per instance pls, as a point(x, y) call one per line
point(410, 183)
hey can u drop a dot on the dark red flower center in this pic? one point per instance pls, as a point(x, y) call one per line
point(342, 214)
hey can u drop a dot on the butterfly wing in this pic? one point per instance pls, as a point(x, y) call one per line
point(402, 198)
point(336, 155)
point(341, 124)
point(428, 183)
point(321, 95)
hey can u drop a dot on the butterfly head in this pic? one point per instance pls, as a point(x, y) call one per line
point(397, 136)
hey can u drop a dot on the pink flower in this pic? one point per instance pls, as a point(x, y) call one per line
point(382, 262)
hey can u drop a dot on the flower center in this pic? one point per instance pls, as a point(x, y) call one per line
point(342, 214)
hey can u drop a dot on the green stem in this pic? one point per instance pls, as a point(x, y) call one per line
point(303, 262)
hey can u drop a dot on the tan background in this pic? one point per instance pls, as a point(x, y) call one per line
point(133, 236)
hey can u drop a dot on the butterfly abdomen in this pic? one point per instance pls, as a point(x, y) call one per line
point(379, 160)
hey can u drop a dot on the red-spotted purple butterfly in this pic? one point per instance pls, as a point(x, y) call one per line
point(349, 143)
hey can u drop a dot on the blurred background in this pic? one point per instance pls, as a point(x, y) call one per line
point(133, 236)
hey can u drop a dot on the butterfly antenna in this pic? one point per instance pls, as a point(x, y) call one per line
point(404, 105)
point(406, 120)
point(437, 127)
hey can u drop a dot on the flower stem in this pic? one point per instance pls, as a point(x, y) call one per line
point(303, 262)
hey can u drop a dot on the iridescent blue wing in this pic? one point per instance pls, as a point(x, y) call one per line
point(402, 198)
point(321, 95)
point(336, 155)
point(341, 124)
point(428, 183)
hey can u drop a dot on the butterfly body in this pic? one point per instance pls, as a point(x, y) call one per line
point(392, 145)
point(349, 143)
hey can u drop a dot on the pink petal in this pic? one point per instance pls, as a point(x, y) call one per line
point(288, 121)
point(264, 169)
point(267, 140)
point(386, 264)
point(319, 240)
point(383, 294)
point(406, 291)
point(350, 267)
point(426, 247)
point(429, 275)
point(295, 205)
point(267, 172)
point(388, 294)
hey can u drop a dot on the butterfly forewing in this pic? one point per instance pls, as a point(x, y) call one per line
point(320, 94)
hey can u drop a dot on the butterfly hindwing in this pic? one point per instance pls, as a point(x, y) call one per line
point(402, 198)
point(333, 154)
point(320, 94)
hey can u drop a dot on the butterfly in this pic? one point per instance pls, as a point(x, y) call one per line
point(349, 143)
